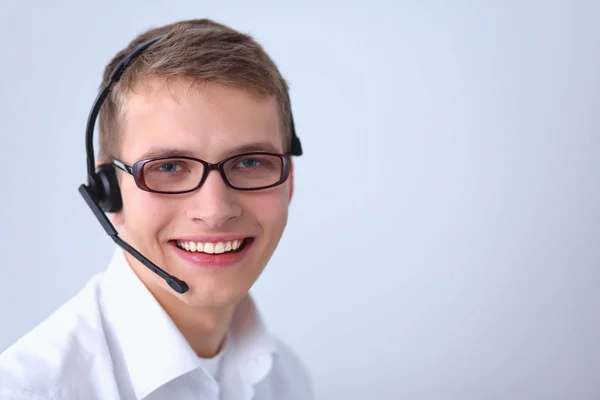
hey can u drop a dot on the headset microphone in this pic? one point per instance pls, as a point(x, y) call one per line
point(102, 193)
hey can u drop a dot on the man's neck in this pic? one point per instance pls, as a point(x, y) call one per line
point(205, 329)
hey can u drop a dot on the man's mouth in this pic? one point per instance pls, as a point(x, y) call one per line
point(232, 246)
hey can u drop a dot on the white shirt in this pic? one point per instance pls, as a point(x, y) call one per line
point(113, 340)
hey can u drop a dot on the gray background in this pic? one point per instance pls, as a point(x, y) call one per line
point(444, 236)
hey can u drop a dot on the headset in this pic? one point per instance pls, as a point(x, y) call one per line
point(102, 193)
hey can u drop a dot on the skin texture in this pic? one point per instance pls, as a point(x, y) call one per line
point(211, 122)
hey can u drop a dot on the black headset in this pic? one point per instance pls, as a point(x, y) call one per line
point(102, 193)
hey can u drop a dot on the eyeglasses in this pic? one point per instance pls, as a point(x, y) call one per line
point(175, 175)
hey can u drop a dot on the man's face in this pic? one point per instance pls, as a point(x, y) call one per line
point(210, 122)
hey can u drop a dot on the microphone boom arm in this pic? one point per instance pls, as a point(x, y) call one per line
point(177, 285)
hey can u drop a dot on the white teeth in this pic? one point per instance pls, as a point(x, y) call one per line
point(210, 248)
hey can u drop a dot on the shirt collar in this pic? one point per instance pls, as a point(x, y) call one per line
point(154, 350)
point(252, 347)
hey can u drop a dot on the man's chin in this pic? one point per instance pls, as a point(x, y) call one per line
point(212, 286)
point(203, 298)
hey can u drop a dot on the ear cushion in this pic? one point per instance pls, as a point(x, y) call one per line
point(106, 188)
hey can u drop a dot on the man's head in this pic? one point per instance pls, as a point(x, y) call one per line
point(208, 94)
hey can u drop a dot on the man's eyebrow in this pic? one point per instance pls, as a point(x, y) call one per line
point(178, 152)
point(252, 147)
point(166, 152)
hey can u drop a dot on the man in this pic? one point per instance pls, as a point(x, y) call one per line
point(200, 95)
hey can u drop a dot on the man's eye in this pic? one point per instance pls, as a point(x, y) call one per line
point(249, 163)
point(170, 167)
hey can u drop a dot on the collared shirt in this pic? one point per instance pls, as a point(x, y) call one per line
point(113, 340)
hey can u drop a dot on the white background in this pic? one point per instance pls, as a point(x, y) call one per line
point(444, 237)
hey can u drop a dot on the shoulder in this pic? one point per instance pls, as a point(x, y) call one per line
point(289, 359)
point(56, 352)
point(291, 371)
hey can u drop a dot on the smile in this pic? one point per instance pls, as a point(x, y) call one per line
point(212, 248)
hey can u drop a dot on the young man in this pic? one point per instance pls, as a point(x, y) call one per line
point(200, 95)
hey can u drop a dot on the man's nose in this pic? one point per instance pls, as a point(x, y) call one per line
point(214, 203)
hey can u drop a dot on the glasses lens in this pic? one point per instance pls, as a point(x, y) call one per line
point(253, 171)
point(172, 174)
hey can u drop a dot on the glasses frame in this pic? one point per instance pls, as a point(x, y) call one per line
point(137, 171)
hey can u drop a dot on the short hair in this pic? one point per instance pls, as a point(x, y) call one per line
point(214, 53)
